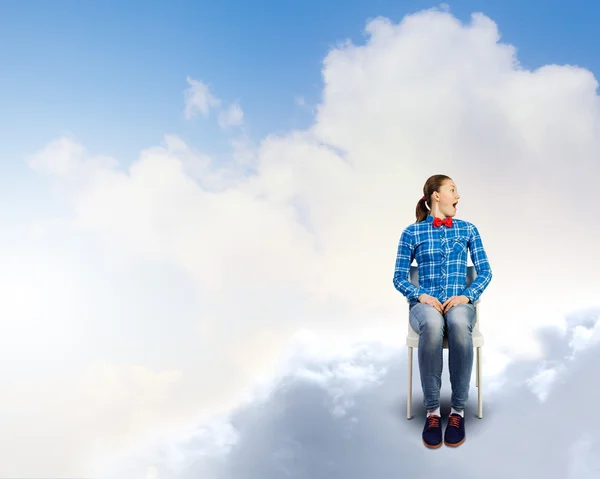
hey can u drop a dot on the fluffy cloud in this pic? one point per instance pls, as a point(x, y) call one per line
point(340, 413)
point(308, 239)
point(68, 425)
point(317, 224)
point(199, 99)
point(233, 116)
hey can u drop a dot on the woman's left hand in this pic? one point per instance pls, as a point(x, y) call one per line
point(453, 301)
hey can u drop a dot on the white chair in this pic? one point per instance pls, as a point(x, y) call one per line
point(412, 341)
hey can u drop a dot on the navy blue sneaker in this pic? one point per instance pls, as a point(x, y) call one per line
point(455, 431)
point(432, 432)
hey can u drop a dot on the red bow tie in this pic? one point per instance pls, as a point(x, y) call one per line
point(437, 222)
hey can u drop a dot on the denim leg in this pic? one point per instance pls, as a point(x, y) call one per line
point(460, 321)
point(429, 323)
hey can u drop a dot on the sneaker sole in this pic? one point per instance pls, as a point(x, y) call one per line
point(429, 446)
point(449, 444)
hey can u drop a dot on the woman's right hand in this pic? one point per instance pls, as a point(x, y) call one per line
point(426, 299)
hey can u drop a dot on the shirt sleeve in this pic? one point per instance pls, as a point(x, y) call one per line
point(404, 258)
point(482, 266)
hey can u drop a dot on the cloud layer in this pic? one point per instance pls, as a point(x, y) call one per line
point(337, 410)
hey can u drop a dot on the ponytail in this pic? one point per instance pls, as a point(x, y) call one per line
point(422, 211)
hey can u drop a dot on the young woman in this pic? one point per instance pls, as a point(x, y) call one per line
point(442, 303)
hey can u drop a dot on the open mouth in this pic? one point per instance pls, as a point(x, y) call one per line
point(455, 205)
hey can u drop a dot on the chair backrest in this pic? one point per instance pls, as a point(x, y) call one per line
point(414, 275)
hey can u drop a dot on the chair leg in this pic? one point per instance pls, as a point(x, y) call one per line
point(479, 377)
point(409, 395)
point(477, 367)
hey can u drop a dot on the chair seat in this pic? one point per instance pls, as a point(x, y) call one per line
point(412, 338)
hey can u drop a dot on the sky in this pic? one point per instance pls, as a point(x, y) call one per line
point(203, 205)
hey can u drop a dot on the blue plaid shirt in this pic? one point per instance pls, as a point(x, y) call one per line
point(441, 256)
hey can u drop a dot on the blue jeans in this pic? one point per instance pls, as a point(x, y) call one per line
point(458, 324)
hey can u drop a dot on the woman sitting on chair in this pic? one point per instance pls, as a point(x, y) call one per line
point(442, 304)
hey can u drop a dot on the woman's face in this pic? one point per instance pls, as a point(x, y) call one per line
point(448, 198)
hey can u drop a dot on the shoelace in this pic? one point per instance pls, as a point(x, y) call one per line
point(434, 421)
point(454, 421)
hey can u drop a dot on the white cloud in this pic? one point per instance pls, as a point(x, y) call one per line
point(542, 382)
point(68, 159)
point(584, 462)
point(233, 116)
point(293, 431)
point(70, 421)
point(199, 99)
point(308, 239)
point(408, 103)
point(586, 335)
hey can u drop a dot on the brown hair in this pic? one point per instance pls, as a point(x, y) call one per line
point(432, 184)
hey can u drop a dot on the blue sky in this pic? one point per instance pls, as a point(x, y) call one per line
point(112, 73)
